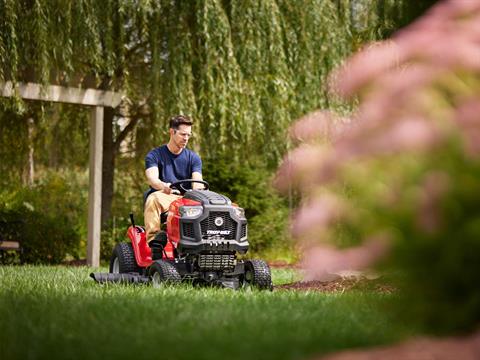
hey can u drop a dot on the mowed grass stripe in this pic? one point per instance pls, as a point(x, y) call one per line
point(60, 313)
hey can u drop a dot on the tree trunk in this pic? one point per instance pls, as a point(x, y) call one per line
point(30, 177)
point(108, 166)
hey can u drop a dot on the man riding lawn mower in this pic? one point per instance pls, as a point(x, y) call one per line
point(203, 230)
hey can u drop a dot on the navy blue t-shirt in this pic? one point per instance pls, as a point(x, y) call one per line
point(172, 167)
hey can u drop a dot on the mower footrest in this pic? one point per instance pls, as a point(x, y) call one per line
point(128, 278)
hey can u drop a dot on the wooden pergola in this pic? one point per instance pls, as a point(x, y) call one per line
point(97, 100)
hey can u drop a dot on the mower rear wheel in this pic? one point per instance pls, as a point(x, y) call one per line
point(123, 259)
point(257, 274)
point(162, 273)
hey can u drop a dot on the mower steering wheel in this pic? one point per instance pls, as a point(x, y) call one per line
point(178, 185)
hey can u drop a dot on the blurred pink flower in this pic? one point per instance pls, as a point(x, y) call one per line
point(447, 37)
point(414, 134)
point(299, 165)
point(318, 125)
point(320, 262)
point(317, 215)
point(407, 135)
point(442, 49)
point(364, 66)
point(395, 93)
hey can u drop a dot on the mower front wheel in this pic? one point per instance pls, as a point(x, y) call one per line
point(123, 259)
point(162, 273)
point(258, 275)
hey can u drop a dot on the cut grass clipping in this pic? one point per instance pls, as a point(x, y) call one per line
point(60, 313)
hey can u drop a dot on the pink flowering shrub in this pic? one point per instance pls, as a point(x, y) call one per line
point(400, 180)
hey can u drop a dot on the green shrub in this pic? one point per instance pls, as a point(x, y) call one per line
point(43, 238)
point(270, 228)
point(48, 219)
point(440, 262)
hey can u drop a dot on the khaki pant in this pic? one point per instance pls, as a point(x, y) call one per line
point(157, 203)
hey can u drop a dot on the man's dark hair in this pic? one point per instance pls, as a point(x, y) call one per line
point(178, 120)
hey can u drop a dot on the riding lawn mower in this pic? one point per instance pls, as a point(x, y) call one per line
point(204, 234)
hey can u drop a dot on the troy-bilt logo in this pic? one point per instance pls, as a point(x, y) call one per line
point(218, 232)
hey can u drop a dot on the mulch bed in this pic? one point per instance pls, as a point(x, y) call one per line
point(339, 285)
point(280, 264)
point(76, 262)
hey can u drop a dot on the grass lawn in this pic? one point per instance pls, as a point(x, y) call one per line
point(60, 313)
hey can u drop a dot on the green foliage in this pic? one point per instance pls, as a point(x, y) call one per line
point(62, 137)
point(116, 232)
point(441, 266)
point(269, 229)
point(44, 239)
point(48, 219)
point(59, 139)
point(243, 70)
point(13, 151)
point(128, 198)
point(400, 13)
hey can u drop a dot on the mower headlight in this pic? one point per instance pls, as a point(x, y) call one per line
point(191, 211)
point(239, 212)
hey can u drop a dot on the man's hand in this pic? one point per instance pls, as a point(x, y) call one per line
point(155, 182)
point(166, 188)
point(197, 186)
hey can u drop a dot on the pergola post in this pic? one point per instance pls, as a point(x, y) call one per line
point(97, 99)
point(95, 193)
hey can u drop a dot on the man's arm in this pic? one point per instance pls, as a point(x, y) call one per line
point(155, 182)
point(197, 176)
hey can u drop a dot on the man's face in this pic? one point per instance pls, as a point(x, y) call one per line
point(181, 135)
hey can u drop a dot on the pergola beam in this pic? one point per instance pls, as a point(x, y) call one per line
point(54, 93)
point(89, 97)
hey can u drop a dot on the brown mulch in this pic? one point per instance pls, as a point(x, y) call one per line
point(281, 264)
point(76, 262)
point(339, 285)
point(464, 348)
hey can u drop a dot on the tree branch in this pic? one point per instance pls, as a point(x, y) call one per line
point(124, 133)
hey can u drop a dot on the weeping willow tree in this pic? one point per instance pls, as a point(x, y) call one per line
point(242, 69)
